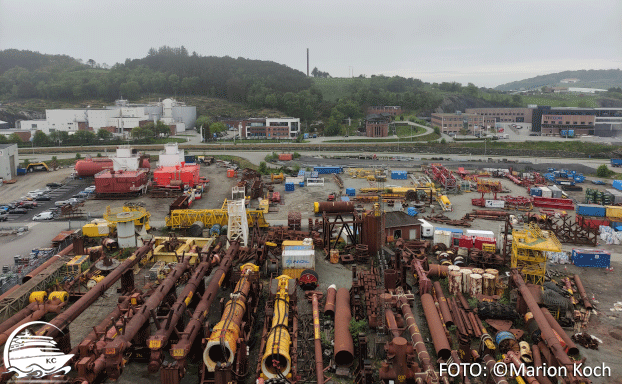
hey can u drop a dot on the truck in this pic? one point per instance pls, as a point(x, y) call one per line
point(616, 162)
point(427, 229)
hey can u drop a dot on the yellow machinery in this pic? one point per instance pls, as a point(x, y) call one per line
point(103, 227)
point(184, 218)
point(528, 251)
point(37, 167)
point(444, 202)
point(166, 249)
point(223, 342)
point(264, 205)
point(277, 177)
point(74, 266)
point(276, 362)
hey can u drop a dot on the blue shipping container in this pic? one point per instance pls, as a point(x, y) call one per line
point(301, 173)
point(595, 258)
point(535, 191)
point(328, 170)
point(399, 175)
point(591, 210)
point(617, 184)
point(350, 191)
point(345, 198)
point(289, 187)
point(411, 211)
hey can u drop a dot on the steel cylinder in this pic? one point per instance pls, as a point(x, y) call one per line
point(455, 282)
point(493, 272)
point(441, 345)
point(475, 284)
point(222, 343)
point(437, 270)
point(319, 359)
point(466, 273)
point(34, 311)
point(586, 301)
point(276, 361)
point(38, 297)
point(442, 304)
point(488, 284)
point(344, 344)
point(331, 297)
point(333, 206)
point(537, 362)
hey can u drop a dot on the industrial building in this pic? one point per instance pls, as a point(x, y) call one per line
point(119, 119)
point(454, 122)
point(603, 122)
point(503, 115)
point(377, 125)
point(390, 110)
point(265, 128)
point(9, 159)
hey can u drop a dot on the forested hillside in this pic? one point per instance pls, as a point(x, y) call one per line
point(604, 79)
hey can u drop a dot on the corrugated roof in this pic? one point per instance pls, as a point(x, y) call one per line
point(399, 219)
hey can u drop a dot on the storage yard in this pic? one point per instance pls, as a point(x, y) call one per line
point(379, 271)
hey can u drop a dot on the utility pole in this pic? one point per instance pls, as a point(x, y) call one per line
point(307, 62)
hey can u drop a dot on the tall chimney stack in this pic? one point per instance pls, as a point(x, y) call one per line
point(307, 62)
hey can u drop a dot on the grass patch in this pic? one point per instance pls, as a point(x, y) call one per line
point(335, 88)
point(428, 137)
point(247, 141)
point(408, 130)
point(594, 149)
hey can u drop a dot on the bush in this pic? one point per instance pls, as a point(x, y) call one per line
point(263, 168)
point(443, 141)
point(296, 155)
point(604, 171)
point(437, 130)
point(78, 156)
point(99, 154)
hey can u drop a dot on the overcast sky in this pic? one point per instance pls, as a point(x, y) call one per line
point(484, 42)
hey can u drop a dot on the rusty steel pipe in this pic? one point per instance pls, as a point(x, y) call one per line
point(586, 301)
point(319, 362)
point(537, 362)
point(442, 303)
point(490, 363)
point(222, 344)
point(391, 323)
point(437, 270)
point(331, 297)
point(5, 294)
point(115, 348)
point(489, 213)
point(344, 345)
point(67, 250)
point(64, 319)
point(50, 306)
point(570, 345)
point(180, 350)
point(441, 345)
point(548, 335)
point(456, 359)
point(513, 358)
point(158, 341)
point(417, 340)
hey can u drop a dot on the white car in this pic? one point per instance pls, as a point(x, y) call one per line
point(62, 203)
point(44, 216)
point(90, 189)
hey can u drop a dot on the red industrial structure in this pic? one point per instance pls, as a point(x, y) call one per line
point(188, 174)
point(91, 167)
point(109, 183)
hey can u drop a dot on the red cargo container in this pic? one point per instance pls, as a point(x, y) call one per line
point(479, 241)
point(589, 222)
point(285, 156)
point(465, 242)
point(188, 174)
point(91, 167)
point(546, 202)
point(113, 184)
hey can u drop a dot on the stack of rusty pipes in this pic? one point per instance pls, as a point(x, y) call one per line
point(181, 349)
point(425, 284)
point(113, 351)
point(547, 332)
point(158, 341)
point(222, 344)
point(34, 311)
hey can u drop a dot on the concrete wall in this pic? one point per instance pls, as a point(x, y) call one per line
point(9, 159)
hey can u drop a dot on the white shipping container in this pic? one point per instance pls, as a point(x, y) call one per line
point(298, 258)
point(480, 233)
point(546, 192)
point(494, 204)
point(442, 237)
point(427, 229)
point(556, 193)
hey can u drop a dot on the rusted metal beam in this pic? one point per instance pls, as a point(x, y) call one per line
point(586, 301)
point(344, 345)
point(442, 303)
point(441, 345)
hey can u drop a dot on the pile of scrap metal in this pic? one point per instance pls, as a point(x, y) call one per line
point(441, 218)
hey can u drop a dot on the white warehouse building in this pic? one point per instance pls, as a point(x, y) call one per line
point(119, 118)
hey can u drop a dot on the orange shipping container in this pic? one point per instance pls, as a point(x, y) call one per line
point(285, 156)
point(230, 173)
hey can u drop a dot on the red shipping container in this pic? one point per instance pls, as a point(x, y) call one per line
point(591, 222)
point(285, 156)
point(465, 242)
point(479, 241)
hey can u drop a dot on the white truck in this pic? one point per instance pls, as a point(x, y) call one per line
point(427, 229)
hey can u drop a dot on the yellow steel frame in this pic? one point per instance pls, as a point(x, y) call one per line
point(184, 218)
point(528, 247)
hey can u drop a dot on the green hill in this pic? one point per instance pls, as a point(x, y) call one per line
point(602, 78)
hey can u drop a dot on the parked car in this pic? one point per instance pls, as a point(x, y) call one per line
point(18, 211)
point(75, 200)
point(44, 216)
point(4, 215)
point(54, 185)
point(29, 204)
point(43, 198)
point(533, 134)
point(90, 189)
point(62, 203)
